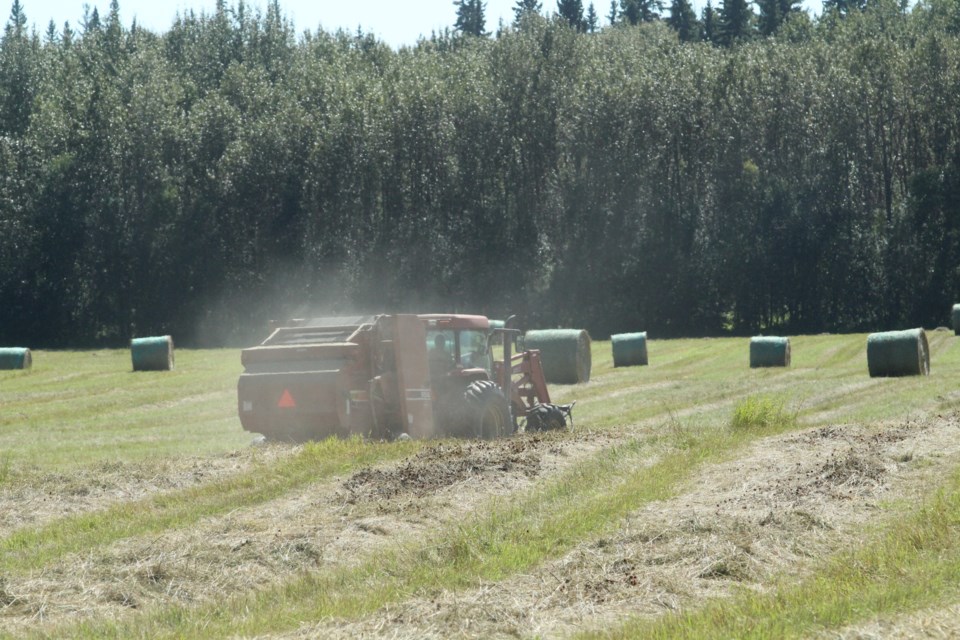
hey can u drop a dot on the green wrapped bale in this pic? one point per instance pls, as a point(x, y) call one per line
point(564, 353)
point(152, 354)
point(15, 358)
point(629, 349)
point(898, 353)
point(769, 351)
point(955, 319)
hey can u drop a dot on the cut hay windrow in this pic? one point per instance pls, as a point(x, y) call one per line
point(769, 351)
point(565, 354)
point(15, 358)
point(629, 349)
point(152, 354)
point(898, 353)
point(955, 319)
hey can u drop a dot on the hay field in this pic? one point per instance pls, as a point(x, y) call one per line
point(693, 495)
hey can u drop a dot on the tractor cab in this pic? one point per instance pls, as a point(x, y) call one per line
point(458, 345)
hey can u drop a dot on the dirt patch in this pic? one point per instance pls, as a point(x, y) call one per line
point(784, 504)
point(443, 465)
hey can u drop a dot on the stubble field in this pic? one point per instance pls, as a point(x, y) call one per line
point(693, 497)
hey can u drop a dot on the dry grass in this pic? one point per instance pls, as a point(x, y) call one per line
point(779, 509)
point(771, 509)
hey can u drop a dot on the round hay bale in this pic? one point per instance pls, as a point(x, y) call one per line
point(564, 353)
point(629, 349)
point(15, 358)
point(898, 353)
point(955, 319)
point(152, 354)
point(769, 351)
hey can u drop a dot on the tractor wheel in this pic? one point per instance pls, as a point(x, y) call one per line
point(488, 411)
point(545, 417)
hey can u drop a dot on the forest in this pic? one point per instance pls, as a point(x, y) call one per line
point(796, 178)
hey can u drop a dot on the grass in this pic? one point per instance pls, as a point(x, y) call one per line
point(588, 501)
point(76, 408)
point(32, 548)
point(697, 402)
point(912, 564)
point(762, 413)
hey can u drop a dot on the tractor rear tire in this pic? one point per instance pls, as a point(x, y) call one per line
point(488, 411)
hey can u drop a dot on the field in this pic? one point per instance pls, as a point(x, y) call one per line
point(694, 497)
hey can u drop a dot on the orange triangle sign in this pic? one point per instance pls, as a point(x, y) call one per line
point(286, 401)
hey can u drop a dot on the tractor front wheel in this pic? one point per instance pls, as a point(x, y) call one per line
point(488, 410)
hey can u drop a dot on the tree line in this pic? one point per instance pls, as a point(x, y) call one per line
point(201, 181)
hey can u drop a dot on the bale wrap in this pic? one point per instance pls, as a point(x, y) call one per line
point(152, 354)
point(629, 349)
point(564, 353)
point(15, 358)
point(898, 353)
point(769, 351)
point(955, 319)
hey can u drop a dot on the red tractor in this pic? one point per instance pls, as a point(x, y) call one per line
point(389, 375)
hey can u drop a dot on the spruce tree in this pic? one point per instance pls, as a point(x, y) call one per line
point(708, 18)
point(843, 7)
point(684, 21)
point(470, 17)
point(572, 12)
point(637, 11)
point(593, 20)
point(773, 13)
point(524, 7)
point(736, 21)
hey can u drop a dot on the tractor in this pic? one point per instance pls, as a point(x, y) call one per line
point(393, 376)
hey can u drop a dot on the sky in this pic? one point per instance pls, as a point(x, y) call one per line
point(396, 23)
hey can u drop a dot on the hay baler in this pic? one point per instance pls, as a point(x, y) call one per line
point(383, 376)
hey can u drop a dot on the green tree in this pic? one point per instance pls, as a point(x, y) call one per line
point(19, 57)
point(525, 7)
point(735, 23)
point(572, 12)
point(592, 20)
point(684, 21)
point(637, 11)
point(708, 18)
point(773, 13)
point(471, 20)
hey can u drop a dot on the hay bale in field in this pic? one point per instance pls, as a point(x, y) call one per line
point(629, 349)
point(898, 353)
point(565, 354)
point(152, 354)
point(769, 351)
point(955, 319)
point(15, 358)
